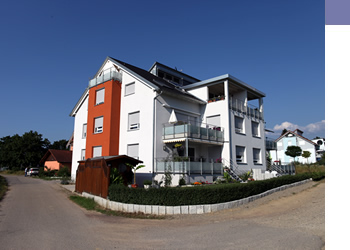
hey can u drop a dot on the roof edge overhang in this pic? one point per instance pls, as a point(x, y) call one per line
point(222, 78)
point(79, 103)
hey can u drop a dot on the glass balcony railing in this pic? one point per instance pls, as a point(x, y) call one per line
point(188, 167)
point(105, 76)
point(247, 109)
point(208, 132)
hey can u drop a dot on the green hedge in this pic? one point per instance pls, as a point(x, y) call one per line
point(206, 194)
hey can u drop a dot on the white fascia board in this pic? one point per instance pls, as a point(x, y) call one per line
point(79, 103)
point(222, 78)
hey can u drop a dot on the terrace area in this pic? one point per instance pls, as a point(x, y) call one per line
point(106, 75)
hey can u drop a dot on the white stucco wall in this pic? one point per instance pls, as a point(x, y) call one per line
point(79, 142)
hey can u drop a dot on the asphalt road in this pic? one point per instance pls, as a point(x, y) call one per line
point(37, 214)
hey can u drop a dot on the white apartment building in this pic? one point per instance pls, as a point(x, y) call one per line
point(171, 121)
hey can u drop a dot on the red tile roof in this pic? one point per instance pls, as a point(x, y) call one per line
point(62, 156)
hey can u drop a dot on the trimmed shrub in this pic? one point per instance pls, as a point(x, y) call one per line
point(203, 194)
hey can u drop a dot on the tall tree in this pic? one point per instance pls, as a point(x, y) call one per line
point(61, 144)
point(22, 151)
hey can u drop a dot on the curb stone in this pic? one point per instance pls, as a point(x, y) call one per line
point(178, 210)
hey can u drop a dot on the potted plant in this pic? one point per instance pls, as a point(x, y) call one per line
point(147, 184)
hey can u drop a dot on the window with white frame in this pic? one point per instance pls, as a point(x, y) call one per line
point(255, 129)
point(84, 131)
point(97, 151)
point(134, 121)
point(256, 156)
point(98, 126)
point(133, 150)
point(130, 89)
point(83, 154)
point(100, 96)
point(240, 154)
point(239, 124)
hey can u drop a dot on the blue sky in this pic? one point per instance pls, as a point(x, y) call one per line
point(50, 49)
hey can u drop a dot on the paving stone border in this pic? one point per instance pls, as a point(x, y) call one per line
point(189, 209)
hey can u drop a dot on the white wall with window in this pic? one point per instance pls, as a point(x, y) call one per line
point(100, 96)
point(133, 150)
point(84, 131)
point(80, 117)
point(98, 125)
point(83, 154)
point(240, 154)
point(239, 125)
point(255, 129)
point(130, 89)
point(257, 155)
point(134, 121)
point(97, 151)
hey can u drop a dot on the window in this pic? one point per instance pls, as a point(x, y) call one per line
point(134, 121)
point(256, 156)
point(133, 150)
point(98, 125)
point(239, 125)
point(255, 129)
point(83, 154)
point(100, 96)
point(97, 151)
point(240, 152)
point(84, 131)
point(130, 89)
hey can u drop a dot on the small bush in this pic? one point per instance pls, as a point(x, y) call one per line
point(63, 172)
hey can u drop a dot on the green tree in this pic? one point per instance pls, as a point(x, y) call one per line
point(61, 145)
point(306, 154)
point(22, 151)
point(293, 151)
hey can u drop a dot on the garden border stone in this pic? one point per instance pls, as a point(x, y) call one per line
point(178, 210)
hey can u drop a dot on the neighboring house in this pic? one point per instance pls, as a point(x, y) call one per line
point(293, 138)
point(169, 120)
point(55, 159)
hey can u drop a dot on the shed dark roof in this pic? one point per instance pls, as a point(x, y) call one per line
point(62, 156)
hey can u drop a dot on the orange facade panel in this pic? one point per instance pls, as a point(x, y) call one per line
point(103, 118)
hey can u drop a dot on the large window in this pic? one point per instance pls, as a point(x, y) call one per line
point(256, 156)
point(84, 131)
point(100, 96)
point(130, 89)
point(240, 154)
point(97, 151)
point(133, 150)
point(255, 129)
point(98, 125)
point(134, 121)
point(239, 124)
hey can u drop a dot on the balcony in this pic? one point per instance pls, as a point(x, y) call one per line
point(270, 144)
point(246, 109)
point(205, 132)
point(106, 75)
point(188, 167)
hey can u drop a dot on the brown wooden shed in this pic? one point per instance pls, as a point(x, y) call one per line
point(93, 174)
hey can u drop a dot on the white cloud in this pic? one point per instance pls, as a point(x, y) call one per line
point(312, 128)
